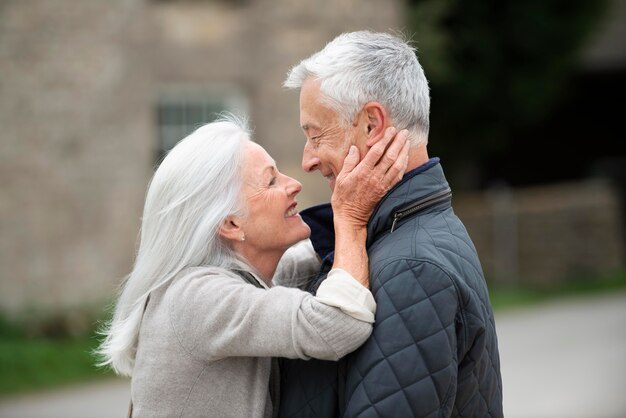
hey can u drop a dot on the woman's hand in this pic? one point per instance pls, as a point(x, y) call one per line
point(361, 185)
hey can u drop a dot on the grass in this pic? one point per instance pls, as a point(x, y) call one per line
point(512, 297)
point(28, 364)
point(31, 362)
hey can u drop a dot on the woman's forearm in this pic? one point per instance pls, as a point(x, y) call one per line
point(358, 188)
point(350, 252)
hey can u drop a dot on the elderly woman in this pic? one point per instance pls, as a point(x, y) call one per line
point(198, 319)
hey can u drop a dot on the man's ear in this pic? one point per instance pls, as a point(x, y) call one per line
point(231, 229)
point(377, 119)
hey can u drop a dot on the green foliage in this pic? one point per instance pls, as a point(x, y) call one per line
point(513, 297)
point(32, 363)
point(46, 351)
point(496, 67)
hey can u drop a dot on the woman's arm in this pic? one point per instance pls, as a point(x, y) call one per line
point(358, 189)
point(215, 314)
point(223, 316)
point(298, 266)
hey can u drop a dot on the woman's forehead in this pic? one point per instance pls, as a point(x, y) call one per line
point(256, 154)
point(258, 163)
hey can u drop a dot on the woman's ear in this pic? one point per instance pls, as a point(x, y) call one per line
point(376, 122)
point(231, 229)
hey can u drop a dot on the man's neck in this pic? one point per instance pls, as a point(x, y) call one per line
point(418, 155)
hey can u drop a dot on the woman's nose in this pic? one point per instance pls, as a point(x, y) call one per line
point(293, 186)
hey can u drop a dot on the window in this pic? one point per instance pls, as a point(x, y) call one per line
point(181, 110)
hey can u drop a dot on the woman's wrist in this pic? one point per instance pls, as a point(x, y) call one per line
point(348, 225)
point(341, 290)
point(350, 253)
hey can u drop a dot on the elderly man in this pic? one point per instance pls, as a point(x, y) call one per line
point(434, 350)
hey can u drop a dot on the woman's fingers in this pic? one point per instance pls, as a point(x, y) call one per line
point(398, 168)
point(351, 160)
point(393, 152)
point(360, 185)
point(384, 155)
point(373, 156)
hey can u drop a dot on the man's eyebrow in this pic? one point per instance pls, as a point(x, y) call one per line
point(308, 126)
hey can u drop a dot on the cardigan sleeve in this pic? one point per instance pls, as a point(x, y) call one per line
point(342, 290)
point(298, 266)
point(215, 314)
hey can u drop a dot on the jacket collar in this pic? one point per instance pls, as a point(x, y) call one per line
point(419, 183)
point(320, 219)
point(416, 186)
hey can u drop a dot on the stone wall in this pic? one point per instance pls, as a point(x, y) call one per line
point(75, 149)
point(251, 45)
point(79, 86)
point(78, 92)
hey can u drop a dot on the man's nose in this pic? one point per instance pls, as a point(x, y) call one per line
point(310, 162)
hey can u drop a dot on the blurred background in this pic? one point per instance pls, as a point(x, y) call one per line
point(527, 117)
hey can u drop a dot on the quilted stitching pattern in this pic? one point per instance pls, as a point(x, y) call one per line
point(301, 399)
point(417, 378)
point(434, 349)
point(430, 315)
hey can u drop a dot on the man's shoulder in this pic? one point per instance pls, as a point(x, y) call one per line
point(422, 247)
point(418, 237)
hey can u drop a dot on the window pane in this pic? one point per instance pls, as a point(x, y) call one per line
point(181, 114)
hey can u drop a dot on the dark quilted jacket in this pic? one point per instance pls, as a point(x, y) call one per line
point(434, 350)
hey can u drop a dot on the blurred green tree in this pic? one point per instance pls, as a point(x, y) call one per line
point(497, 70)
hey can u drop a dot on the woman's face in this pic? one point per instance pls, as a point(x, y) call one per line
point(272, 222)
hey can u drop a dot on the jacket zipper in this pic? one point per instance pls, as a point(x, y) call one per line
point(424, 203)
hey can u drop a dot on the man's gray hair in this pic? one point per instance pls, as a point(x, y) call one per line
point(359, 67)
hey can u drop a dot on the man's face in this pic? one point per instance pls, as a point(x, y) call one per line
point(327, 140)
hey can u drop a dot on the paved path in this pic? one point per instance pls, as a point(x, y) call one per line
point(563, 359)
point(104, 399)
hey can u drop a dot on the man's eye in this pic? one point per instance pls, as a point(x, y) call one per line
point(314, 141)
point(273, 181)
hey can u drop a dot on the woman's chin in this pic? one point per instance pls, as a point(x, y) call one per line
point(304, 233)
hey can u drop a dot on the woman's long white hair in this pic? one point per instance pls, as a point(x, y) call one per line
point(191, 193)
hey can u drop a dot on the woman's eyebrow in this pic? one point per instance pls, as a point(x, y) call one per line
point(271, 168)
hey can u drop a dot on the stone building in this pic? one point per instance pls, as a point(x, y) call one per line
point(91, 92)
